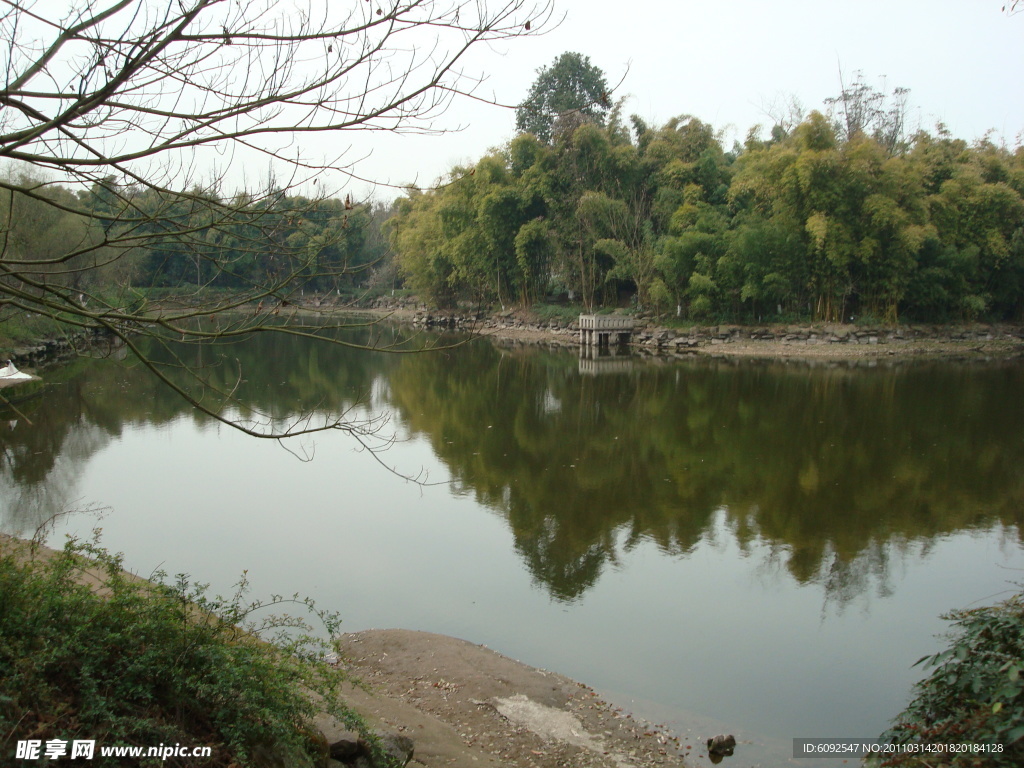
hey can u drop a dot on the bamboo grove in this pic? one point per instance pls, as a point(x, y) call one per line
point(834, 216)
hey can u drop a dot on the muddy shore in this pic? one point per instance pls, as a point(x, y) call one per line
point(467, 706)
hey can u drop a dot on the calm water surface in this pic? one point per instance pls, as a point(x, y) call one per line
point(756, 548)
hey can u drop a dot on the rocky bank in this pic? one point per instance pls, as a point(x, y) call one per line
point(819, 340)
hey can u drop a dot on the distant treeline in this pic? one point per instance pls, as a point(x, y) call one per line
point(115, 236)
point(829, 217)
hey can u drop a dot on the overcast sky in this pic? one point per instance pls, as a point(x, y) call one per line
point(728, 63)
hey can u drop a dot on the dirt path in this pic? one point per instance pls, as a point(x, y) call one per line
point(475, 707)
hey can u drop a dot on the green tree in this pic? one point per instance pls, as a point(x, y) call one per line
point(980, 218)
point(535, 248)
point(690, 254)
point(851, 218)
point(419, 236)
point(41, 231)
point(826, 218)
point(570, 85)
point(584, 194)
point(499, 217)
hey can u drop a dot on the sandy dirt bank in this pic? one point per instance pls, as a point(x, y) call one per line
point(466, 705)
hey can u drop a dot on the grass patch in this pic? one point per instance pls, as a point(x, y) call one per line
point(18, 329)
point(562, 312)
point(89, 652)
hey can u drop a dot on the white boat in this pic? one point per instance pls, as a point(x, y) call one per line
point(10, 373)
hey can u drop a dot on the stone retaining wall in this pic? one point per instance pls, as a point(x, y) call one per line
point(651, 335)
point(55, 349)
point(823, 334)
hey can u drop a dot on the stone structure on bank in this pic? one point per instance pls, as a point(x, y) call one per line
point(598, 330)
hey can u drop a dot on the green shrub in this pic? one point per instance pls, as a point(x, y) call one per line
point(975, 694)
point(89, 652)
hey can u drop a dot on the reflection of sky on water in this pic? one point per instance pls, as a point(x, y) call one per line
point(721, 631)
point(26, 503)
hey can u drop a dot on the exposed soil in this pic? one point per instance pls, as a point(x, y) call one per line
point(466, 705)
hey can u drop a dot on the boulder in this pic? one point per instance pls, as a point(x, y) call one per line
point(721, 746)
point(397, 747)
point(346, 747)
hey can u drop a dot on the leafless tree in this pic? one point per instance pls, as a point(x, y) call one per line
point(130, 118)
point(860, 109)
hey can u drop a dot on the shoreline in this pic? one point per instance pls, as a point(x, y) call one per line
point(466, 705)
point(795, 342)
point(458, 704)
point(824, 341)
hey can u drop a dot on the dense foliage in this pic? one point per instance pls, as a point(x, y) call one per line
point(142, 664)
point(834, 215)
point(975, 695)
point(570, 87)
point(322, 244)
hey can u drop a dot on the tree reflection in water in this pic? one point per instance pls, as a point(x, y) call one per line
point(837, 471)
point(838, 468)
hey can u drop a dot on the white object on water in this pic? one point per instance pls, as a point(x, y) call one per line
point(10, 373)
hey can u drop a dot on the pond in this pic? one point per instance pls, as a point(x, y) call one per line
point(757, 548)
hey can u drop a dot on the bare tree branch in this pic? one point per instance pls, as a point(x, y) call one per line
point(121, 120)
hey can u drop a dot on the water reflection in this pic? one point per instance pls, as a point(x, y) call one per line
point(837, 469)
point(268, 383)
point(830, 473)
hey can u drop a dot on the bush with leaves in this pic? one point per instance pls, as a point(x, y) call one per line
point(974, 695)
point(90, 652)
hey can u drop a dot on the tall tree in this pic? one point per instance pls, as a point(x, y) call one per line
point(571, 87)
point(818, 220)
point(861, 110)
